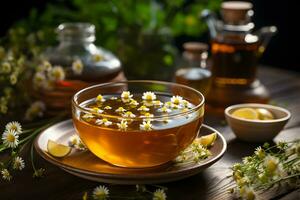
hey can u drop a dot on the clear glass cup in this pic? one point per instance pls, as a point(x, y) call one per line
point(135, 148)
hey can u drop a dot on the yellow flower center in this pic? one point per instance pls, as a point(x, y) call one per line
point(10, 138)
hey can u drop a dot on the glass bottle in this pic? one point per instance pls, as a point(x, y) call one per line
point(76, 48)
point(193, 70)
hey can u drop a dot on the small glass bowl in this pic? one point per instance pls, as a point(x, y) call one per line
point(171, 132)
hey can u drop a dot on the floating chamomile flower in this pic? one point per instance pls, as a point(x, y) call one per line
point(88, 117)
point(126, 95)
point(176, 100)
point(133, 103)
point(15, 126)
point(168, 104)
point(103, 121)
point(97, 57)
point(6, 175)
point(186, 104)
point(107, 108)
point(122, 125)
point(148, 103)
point(143, 108)
point(96, 110)
point(100, 193)
point(157, 103)
point(149, 96)
point(120, 109)
point(164, 109)
point(77, 67)
point(113, 98)
point(128, 114)
point(100, 98)
point(147, 115)
point(146, 126)
point(159, 194)
point(18, 163)
point(10, 138)
point(57, 73)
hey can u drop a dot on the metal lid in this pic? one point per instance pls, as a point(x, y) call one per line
point(236, 12)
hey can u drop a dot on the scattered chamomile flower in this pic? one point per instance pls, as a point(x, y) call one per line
point(6, 175)
point(80, 146)
point(18, 163)
point(168, 104)
point(260, 152)
point(149, 96)
point(107, 108)
point(13, 79)
point(271, 163)
point(101, 193)
point(157, 103)
point(120, 110)
point(5, 67)
point(100, 98)
point(126, 95)
point(146, 126)
point(39, 79)
point(15, 126)
point(176, 100)
point(103, 121)
point(113, 98)
point(133, 103)
point(247, 193)
point(97, 57)
point(186, 104)
point(88, 117)
point(77, 67)
point(159, 194)
point(122, 125)
point(164, 109)
point(147, 115)
point(10, 138)
point(128, 114)
point(57, 73)
point(97, 110)
point(148, 103)
point(74, 140)
point(39, 173)
point(143, 108)
point(35, 110)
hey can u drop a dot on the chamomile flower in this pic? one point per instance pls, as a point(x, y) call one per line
point(186, 104)
point(126, 96)
point(149, 96)
point(157, 103)
point(77, 67)
point(146, 126)
point(128, 114)
point(113, 98)
point(247, 193)
point(80, 146)
point(10, 138)
point(133, 103)
point(15, 126)
point(88, 117)
point(148, 103)
point(164, 109)
point(260, 152)
point(6, 175)
point(100, 98)
point(103, 121)
point(176, 100)
point(5, 67)
point(97, 110)
point(13, 79)
point(39, 79)
point(74, 140)
point(271, 163)
point(159, 194)
point(120, 110)
point(143, 108)
point(100, 193)
point(35, 110)
point(168, 104)
point(97, 57)
point(107, 108)
point(122, 125)
point(57, 73)
point(147, 115)
point(18, 163)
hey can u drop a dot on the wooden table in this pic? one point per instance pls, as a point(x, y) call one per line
point(210, 184)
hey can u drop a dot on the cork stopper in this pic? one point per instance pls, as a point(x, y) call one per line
point(195, 47)
point(236, 12)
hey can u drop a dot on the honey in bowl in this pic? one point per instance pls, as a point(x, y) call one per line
point(137, 129)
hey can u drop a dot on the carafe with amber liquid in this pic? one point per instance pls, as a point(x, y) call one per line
point(72, 65)
point(193, 70)
point(235, 50)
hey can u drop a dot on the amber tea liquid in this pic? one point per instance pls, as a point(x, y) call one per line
point(135, 147)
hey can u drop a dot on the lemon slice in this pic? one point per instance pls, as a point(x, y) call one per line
point(246, 113)
point(207, 140)
point(58, 150)
point(264, 114)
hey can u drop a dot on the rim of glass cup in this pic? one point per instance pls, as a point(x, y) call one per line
point(74, 102)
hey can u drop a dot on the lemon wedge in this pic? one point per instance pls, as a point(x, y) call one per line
point(246, 113)
point(207, 140)
point(57, 150)
point(264, 114)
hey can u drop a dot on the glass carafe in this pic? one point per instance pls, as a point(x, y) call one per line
point(81, 62)
point(235, 50)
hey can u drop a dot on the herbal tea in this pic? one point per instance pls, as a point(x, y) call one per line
point(137, 130)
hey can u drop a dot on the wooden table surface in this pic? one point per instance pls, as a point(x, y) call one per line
point(209, 184)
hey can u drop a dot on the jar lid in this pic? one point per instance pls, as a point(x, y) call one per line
point(195, 47)
point(236, 12)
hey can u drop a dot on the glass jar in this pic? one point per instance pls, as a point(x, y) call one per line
point(193, 70)
point(78, 63)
